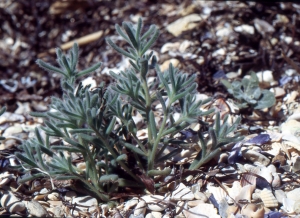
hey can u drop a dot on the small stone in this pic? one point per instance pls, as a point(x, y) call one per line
point(165, 65)
point(155, 214)
point(5, 178)
point(288, 39)
point(231, 210)
point(55, 203)
point(183, 24)
point(219, 52)
point(280, 195)
point(200, 196)
point(184, 45)
point(223, 32)
point(263, 27)
point(182, 193)
point(36, 209)
point(194, 203)
point(149, 215)
point(89, 81)
point(253, 209)
point(46, 204)
point(245, 29)
point(294, 195)
point(156, 202)
point(138, 120)
point(11, 117)
point(274, 41)
point(171, 186)
point(181, 205)
point(200, 60)
point(189, 178)
point(70, 195)
point(131, 203)
point(86, 203)
point(278, 92)
point(8, 144)
point(140, 209)
point(232, 75)
point(11, 203)
point(104, 208)
point(173, 46)
point(255, 157)
point(53, 196)
point(81, 166)
point(202, 210)
point(291, 97)
point(57, 211)
point(44, 191)
point(39, 197)
point(266, 78)
point(12, 130)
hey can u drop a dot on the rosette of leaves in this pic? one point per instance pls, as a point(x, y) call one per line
point(248, 93)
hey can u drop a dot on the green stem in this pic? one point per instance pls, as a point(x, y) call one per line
point(138, 161)
point(206, 159)
point(151, 158)
point(103, 197)
point(139, 143)
point(148, 106)
point(92, 165)
point(113, 153)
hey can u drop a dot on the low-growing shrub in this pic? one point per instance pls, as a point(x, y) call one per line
point(97, 125)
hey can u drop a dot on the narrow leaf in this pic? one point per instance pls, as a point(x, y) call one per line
point(111, 126)
point(121, 51)
point(151, 41)
point(88, 70)
point(134, 149)
point(162, 102)
point(108, 178)
point(66, 65)
point(25, 159)
point(164, 172)
point(138, 29)
point(148, 33)
point(162, 79)
point(152, 124)
point(38, 114)
point(85, 130)
point(66, 148)
point(50, 68)
point(130, 34)
point(121, 33)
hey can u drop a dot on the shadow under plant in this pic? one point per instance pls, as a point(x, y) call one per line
point(98, 125)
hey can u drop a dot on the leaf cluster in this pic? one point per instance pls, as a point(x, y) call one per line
point(248, 93)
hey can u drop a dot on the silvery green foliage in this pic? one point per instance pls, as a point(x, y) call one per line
point(220, 135)
point(248, 93)
point(97, 125)
point(80, 123)
point(135, 93)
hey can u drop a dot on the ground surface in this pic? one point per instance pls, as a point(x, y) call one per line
point(224, 38)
